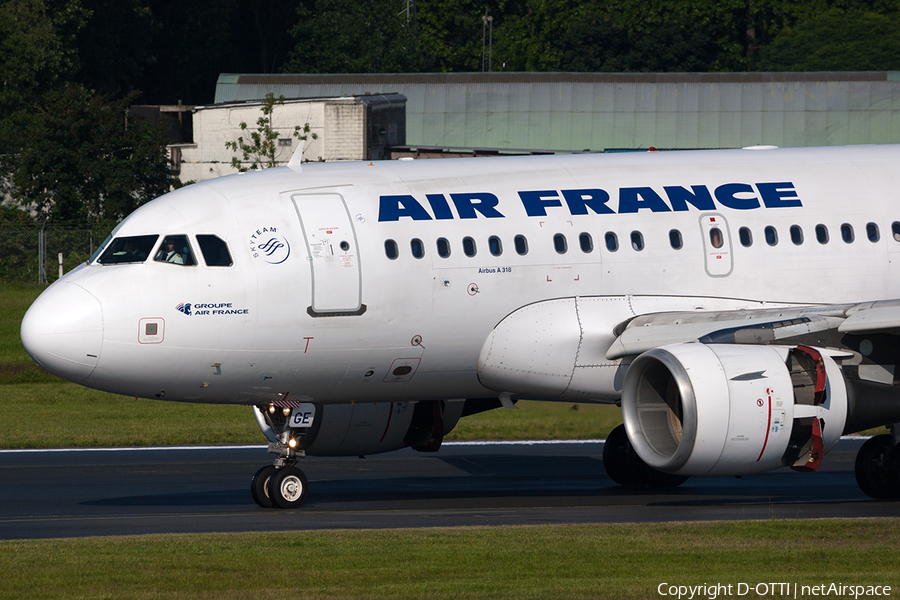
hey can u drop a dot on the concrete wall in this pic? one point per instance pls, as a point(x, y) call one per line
point(342, 127)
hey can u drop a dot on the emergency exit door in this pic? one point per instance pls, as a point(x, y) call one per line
point(333, 255)
point(719, 261)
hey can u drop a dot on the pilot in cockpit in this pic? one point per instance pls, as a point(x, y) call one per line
point(167, 252)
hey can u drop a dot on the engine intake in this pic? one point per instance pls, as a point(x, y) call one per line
point(726, 409)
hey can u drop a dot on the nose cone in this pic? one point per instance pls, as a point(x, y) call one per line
point(63, 331)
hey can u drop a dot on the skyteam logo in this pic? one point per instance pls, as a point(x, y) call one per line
point(265, 243)
point(184, 308)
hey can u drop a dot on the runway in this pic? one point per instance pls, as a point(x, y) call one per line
point(60, 493)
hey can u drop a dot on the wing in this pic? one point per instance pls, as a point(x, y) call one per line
point(755, 326)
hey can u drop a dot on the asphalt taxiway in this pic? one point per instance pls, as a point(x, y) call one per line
point(66, 493)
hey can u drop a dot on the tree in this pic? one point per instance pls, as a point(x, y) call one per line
point(836, 41)
point(114, 47)
point(37, 53)
point(83, 159)
point(260, 150)
point(354, 36)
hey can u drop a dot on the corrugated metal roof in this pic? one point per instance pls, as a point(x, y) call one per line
point(575, 111)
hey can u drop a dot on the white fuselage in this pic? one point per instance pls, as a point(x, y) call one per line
point(315, 305)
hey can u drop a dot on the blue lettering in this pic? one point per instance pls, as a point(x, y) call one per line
point(632, 200)
point(698, 197)
point(727, 196)
point(391, 208)
point(470, 203)
point(535, 203)
point(439, 206)
point(778, 195)
point(581, 200)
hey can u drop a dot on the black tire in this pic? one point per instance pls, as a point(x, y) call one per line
point(288, 487)
point(876, 472)
point(626, 468)
point(259, 486)
point(660, 480)
point(618, 458)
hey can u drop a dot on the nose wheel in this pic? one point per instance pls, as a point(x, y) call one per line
point(284, 487)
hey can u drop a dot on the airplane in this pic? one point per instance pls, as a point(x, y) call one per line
point(741, 306)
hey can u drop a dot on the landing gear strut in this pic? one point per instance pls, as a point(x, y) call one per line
point(625, 467)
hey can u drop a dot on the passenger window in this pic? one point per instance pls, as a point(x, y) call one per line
point(390, 249)
point(796, 235)
point(586, 242)
point(612, 242)
point(469, 247)
point(443, 247)
point(847, 233)
point(822, 234)
point(133, 249)
point(560, 243)
point(745, 236)
point(715, 238)
point(214, 250)
point(521, 245)
point(872, 232)
point(494, 246)
point(417, 248)
point(176, 250)
point(637, 240)
point(675, 239)
point(771, 236)
point(895, 230)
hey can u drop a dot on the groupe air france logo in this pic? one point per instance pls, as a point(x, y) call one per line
point(265, 243)
point(205, 309)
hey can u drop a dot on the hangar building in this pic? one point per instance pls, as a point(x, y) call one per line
point(603, 111)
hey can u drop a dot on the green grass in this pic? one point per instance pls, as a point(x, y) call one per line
point(65, 415)
point(540, 421)
point(559, 561)
point(15, 364)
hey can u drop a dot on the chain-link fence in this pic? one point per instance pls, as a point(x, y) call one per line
point(31, 254)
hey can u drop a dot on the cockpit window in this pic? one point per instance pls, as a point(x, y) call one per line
point(214, 250)
point(175, 249)
point(128, 249)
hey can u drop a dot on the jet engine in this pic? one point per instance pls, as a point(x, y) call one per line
point(725, 409)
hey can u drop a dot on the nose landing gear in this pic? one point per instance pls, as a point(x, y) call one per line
point(279, 485)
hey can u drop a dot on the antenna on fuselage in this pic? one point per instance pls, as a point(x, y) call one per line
point(296, 161)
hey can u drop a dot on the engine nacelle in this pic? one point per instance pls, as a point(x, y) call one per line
point(725, 409)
